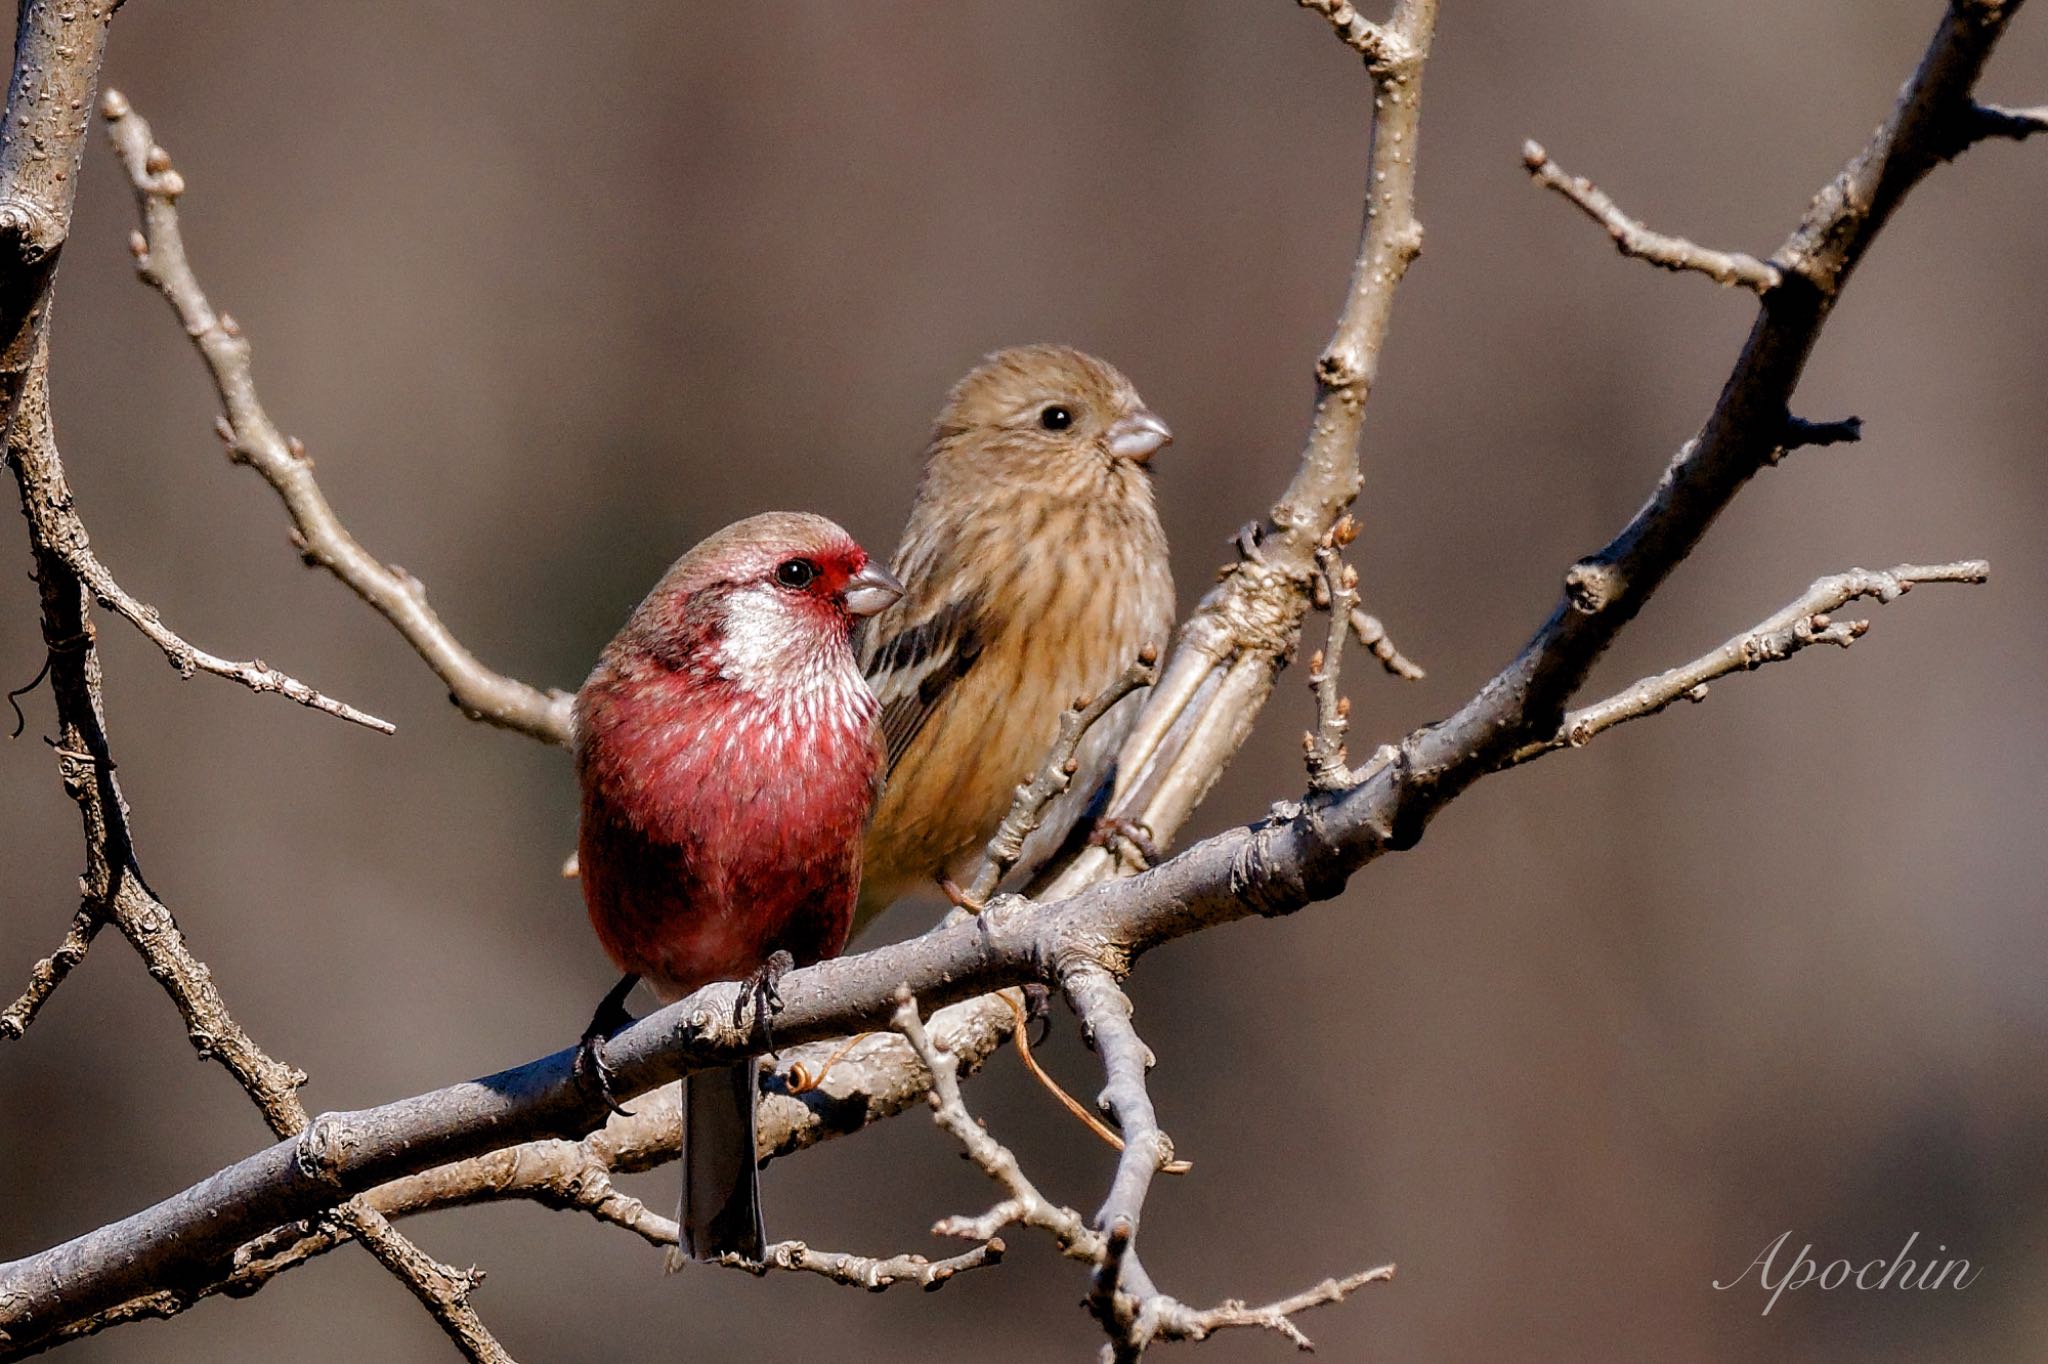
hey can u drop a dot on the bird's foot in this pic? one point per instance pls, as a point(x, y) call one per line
point(957, 893)
point(759, 993)
point(591, 1064)
point(1130, 831)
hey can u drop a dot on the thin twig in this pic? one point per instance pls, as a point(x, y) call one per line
point(1631, 238)
point(69, 540)
point(1021, 1039)
point(46, 975)
point(1995, 120)
point(1805, 622)
point(1140, 1314)
point(1337, 590)
point(1054, 775)
point(255, 440)
point(57, 56)
point(1380, 645)
point(1375, 42)
point(863, 1271)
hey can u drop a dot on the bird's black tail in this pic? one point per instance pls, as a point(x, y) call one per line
point(721, 1212)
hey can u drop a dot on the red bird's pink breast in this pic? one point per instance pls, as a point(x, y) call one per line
point(721, 824)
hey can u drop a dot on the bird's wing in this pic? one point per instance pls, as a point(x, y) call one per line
point(913, 665)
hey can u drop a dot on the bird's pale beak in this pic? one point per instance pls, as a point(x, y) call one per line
point(1137, 437)
point(872, 589)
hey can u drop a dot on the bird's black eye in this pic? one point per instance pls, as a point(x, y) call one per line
point(1055, 418)
point(796, 574)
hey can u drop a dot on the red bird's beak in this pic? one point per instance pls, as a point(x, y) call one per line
point(872, 589)
point(1137, 437)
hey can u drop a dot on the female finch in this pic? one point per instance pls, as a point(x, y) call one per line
point(727, 755)
point(1035, 571)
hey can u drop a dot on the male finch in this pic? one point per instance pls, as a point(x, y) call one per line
point(1035, 572)
point(728, 760)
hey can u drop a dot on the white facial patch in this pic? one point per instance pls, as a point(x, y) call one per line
point(775, 648)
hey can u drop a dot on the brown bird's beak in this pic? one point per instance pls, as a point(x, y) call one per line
point(872, 589)
point(1137, 437)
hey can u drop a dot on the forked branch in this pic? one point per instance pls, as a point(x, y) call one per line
point(255, 440)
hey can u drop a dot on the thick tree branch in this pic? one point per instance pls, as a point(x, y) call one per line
point(878, 1079)
point(253, 439)
point(1230, 650)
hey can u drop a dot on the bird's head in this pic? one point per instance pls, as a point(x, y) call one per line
point(762, 603)
point(1046, 416)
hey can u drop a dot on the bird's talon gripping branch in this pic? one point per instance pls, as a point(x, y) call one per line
point(592, 1068)
point(959, 896)
point(1110, 828)
point(759, 992)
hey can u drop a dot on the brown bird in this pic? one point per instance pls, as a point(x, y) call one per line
point(1034, 571)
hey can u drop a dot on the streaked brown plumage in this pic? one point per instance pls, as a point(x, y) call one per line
point(1034, 570)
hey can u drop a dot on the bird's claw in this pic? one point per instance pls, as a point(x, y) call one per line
point(592, 1068)
point(957, 893)
point(1248, 539)
point(591, 1064)
point(1132, 832)
point(758, 992)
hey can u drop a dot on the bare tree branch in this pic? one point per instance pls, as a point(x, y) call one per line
point(1374, 637)
point(1232, 647)
point(58, 50)
point(1802, 624)
point(1336, 591)
point(67, 537)
point(880, 1078)
point(46, 975)
point(1631, 238)
point(1995, 120)
point(255, 440)
point(1092, 930)
point(1130, 1308)
point(1055, 774)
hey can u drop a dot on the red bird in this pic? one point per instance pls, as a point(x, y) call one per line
point(727, 754)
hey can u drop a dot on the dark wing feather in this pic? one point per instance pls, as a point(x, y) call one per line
point(912, 670)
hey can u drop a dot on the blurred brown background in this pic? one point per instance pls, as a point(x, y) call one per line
point(552, 293)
